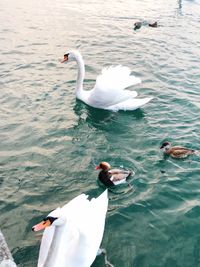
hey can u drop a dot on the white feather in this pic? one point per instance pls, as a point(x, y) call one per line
point(110, 87)
point(130, 104)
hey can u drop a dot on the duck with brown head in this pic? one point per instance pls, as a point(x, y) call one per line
point(112, 177)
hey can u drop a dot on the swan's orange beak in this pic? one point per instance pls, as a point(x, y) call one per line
point(97, 168)
point(41, 226)
point(65, 58)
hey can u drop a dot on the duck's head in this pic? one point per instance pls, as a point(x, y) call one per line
point(54, 218)
point(137, 25)
point(72, 55)
point(103, 166)
point(165, 145)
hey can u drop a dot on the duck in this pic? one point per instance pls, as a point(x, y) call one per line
point(112, 177)
point(137, 25)
point(109, 91)
point(176, 151)
point(73, 233)
point(153, 24)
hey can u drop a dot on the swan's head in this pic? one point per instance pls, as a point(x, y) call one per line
point(165, 146)
point(103, 166)
point(54, 218)
point(72, 55)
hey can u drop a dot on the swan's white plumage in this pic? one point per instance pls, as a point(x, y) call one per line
point(110, 87)
point(115, 77)
point(45, 245)
point(109, 91)
point(130, 104)
point(75, 244)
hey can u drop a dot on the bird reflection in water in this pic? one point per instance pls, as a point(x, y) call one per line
point(104, 119)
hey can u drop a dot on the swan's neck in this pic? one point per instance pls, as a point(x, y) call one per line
point(80, 77)
point(54, 248)
point(65, 244)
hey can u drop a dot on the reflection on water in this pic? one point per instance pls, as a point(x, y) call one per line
point(101, 119)
point(93, 116)
point(179, 9)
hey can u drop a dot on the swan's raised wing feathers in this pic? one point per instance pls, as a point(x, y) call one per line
point(110, 85)
point(115, 77)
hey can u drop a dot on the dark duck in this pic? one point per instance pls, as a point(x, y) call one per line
point(112, 177)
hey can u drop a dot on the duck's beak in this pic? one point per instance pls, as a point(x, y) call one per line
point(97, 168)
point(64, 59)
point(161, 147)
point(40, 226)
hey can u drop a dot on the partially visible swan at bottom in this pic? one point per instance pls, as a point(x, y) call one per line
point(73, 233)
point(109, 91)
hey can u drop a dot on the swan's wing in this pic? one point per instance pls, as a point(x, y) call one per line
point(71, 209)
point(90, 222)
point(93, 226)
point(130, 104)
point(87, 213)
point(110, 85)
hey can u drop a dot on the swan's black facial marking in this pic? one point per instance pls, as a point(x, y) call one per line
point(51, 219)
point(66, 57)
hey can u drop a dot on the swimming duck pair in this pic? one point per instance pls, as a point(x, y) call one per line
point(112, 177)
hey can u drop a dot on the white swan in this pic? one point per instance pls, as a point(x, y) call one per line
point(108, 92)
point(74, 234)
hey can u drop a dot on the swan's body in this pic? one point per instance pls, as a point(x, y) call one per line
point(112, 177)
point(177, 152)
point(109, 91)
point(75, 233)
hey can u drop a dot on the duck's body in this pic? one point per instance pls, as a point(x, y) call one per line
point(74, 236)
point(177, 151)
point(109, 91)
point(112, 177)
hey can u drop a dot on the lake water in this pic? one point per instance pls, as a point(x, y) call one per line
point(50, 142)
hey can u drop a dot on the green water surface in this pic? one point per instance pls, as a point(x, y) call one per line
point(50, 142)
